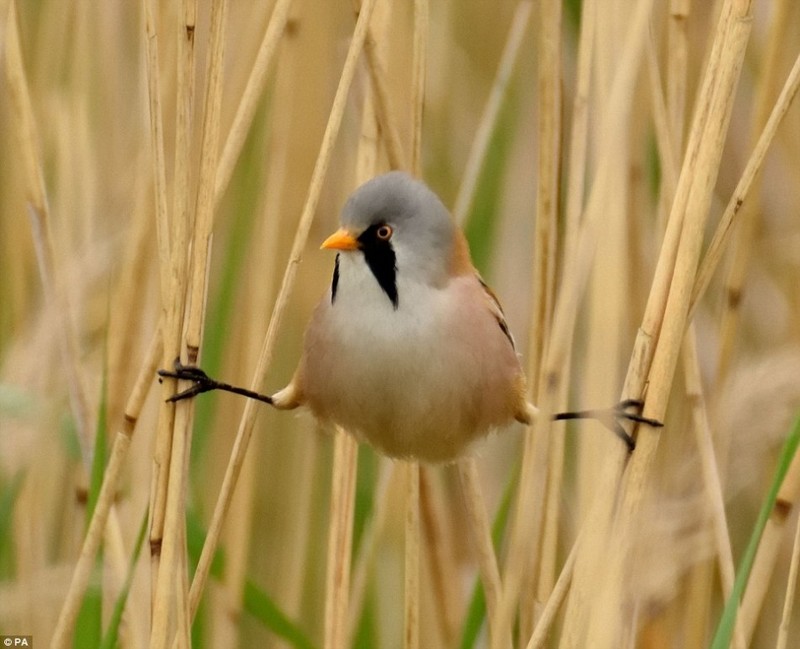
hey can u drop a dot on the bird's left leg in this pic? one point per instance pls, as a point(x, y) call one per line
point(611, 418)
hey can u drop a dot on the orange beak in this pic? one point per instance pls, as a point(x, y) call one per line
point(340, 240)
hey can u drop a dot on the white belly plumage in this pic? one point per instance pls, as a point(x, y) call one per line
point(406, 380)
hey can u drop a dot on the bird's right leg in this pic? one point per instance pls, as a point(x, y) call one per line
point(204, 383)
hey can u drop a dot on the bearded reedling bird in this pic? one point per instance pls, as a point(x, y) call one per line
point(409, 349)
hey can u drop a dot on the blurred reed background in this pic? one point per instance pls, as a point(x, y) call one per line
point(166, 166)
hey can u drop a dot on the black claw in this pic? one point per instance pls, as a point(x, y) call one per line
point(186, 372)
point(190, 392)
point(202, 382)
point(620, 432)
point(611, 419)
point(622, 413)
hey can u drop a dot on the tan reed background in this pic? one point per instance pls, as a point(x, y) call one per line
point(627, 175)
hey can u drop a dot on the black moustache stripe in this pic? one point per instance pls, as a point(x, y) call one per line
point(335, 280)
point(382, 262)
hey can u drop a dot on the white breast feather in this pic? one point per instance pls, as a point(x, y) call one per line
point(412, 381)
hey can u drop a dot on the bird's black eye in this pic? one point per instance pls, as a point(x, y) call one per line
point(384, 232)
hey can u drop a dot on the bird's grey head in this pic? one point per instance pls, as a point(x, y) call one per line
point(422, 229)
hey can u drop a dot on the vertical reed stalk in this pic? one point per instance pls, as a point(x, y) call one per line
point(105, 500)
point(741, 247)
point(248, 417)
point(172, 579)
point(246, 110)
point(791, 586)
point(411, 639)
point(369, 544)
point(173, 420)
point(491, 111)
point(481, 537)
point(548, 174)
point(691, 209)
point(340, 541)
point(54, 292)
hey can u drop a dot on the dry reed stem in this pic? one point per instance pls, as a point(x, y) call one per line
point(23, 113)
point(749, 216)
point(380, 92)
point(304, 224)
point(173, 299)
point(174, 563)
point(171, 547)
point(53, 290)
point(246, 110)
point(340, 541)
point(657, 298)
point(598, 516)
point(192, 326)
point(105, 500)
point(156, 120)
point(610, 291)
point(711, 478)
point(128, 336)
point(677, 68)
point(577, 152)
point(693, 198)
point(759, 581)
point(791, 586)
point(576, 166)
point(708, 462)
point(527, 518)
point(745, 185)
point(411, 582)
point(418, 78)
point(548, 149)
point(62, 634)
point(575, 184)
point(163, 237)
point(205, 204)
point(769, 548)
point(695, 186)
point(491, 111)
point(411, 604)
point(554, 602)
point(369, 545)
point(677, 65)
point(543, 579)
point(526, 522)
point(525, 531)
point(39, 213)
point(371, 128)
point(172, 579)
point(548, 167)
point(440, 567)
point(481, 532)
point(548, 152)
point(273, 224)
point(665, 130)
